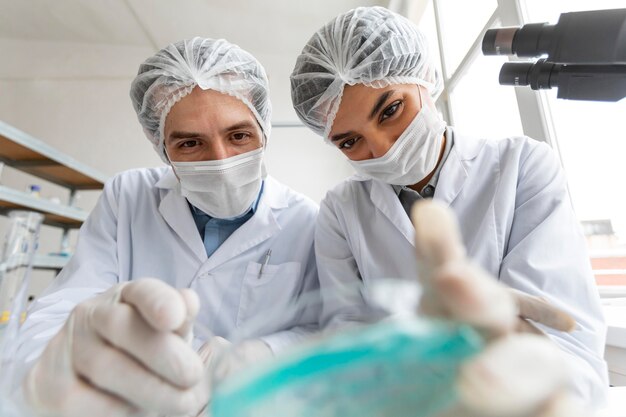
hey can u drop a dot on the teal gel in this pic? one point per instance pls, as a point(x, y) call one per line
point(393, 368)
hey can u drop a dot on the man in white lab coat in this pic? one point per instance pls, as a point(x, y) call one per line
point(212, 221)
point(366, 83)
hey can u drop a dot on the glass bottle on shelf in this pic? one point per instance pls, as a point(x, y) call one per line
point(20, 245)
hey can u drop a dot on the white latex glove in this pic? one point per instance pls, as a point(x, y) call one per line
point(518, 374)
point(221, 359)
point(122, 353)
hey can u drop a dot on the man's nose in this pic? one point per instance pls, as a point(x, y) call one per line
point(218, 150)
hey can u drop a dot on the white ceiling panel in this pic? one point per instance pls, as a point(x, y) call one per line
point(260, 26)
point(100, 21)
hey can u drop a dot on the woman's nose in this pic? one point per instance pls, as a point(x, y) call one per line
point(379, 145)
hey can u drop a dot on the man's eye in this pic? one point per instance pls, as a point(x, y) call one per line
point(240, 136)
point(189, 144)
point(390, 111)
point(348, 144)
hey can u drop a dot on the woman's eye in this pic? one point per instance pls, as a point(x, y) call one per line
point(240, 136)
point(348, 144)
point(390, 111)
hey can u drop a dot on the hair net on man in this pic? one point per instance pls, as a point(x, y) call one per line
point(171, 74)
point(367, 45)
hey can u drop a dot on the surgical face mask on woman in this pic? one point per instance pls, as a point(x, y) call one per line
point(414, 154)
point(223, 188)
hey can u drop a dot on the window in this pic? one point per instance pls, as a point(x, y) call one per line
point(589, 136)
point(480, 106)
point(461, 22)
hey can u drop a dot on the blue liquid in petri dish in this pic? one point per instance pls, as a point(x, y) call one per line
point(393, 368)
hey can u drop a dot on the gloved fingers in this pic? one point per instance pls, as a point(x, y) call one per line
point(541, 311)
point(241, 356)
point(161, 305)
point(515, 375)
point(192, 303)
point(437, 236)
point(52, 388)
point(213, 349)
point(111, 370)
point(163, 353)
point(84, 400)
point(565, 405)
point(525, 326)
point(470, 295)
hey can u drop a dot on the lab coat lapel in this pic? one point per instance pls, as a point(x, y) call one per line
point(454, 172)
point(175, 210)
point(259, 228)
point(386, 200)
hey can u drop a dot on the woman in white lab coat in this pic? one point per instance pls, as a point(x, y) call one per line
point(212, 221)
point(366, 82)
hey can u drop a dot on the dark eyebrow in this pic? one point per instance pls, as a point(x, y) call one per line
point(184, 135)
point(340, 136)
point(380, 103)
point(242, 125)
point(188, 135)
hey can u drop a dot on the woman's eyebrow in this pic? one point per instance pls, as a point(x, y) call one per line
point(380, 103)
point(340, 136)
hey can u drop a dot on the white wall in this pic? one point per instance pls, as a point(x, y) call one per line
point(74, 96)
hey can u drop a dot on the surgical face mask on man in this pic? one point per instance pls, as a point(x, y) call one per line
point(223, 188)
point(414, 154)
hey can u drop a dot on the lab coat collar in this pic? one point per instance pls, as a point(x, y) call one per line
point(455, 170)
point(261, 226)
point(176, 212)
point(168, 180)
point(385, 199)
point(451, 180)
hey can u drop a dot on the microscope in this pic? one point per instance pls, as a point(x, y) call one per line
point(584, 55)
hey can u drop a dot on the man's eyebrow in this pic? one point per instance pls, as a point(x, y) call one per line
point(184, 135)
point(178, 134)
point(241, 125)
point(380, 103)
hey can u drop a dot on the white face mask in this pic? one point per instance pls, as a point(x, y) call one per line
point(413, 156)
point(223, 188)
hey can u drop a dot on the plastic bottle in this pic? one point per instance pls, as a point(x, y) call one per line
point(15, 267)
point(35, 190)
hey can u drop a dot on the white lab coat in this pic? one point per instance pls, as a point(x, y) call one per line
point(516, 221)
point(143, 227)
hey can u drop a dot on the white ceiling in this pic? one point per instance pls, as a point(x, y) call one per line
point(107, 39)
point(260, 26)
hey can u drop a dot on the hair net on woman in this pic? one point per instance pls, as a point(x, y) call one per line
point(171, 74)
point(367, 45)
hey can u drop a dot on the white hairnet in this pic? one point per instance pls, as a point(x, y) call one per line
point(367, 45)
point(171, 74)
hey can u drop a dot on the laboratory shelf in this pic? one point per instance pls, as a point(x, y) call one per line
point(54, 214)
point(54, 262)
point(26, 153)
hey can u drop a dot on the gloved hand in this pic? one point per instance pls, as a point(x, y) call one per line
point(122, 353)
point(518, 374)
point(221, 359)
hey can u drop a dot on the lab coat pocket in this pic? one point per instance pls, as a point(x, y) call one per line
point(264, 293)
